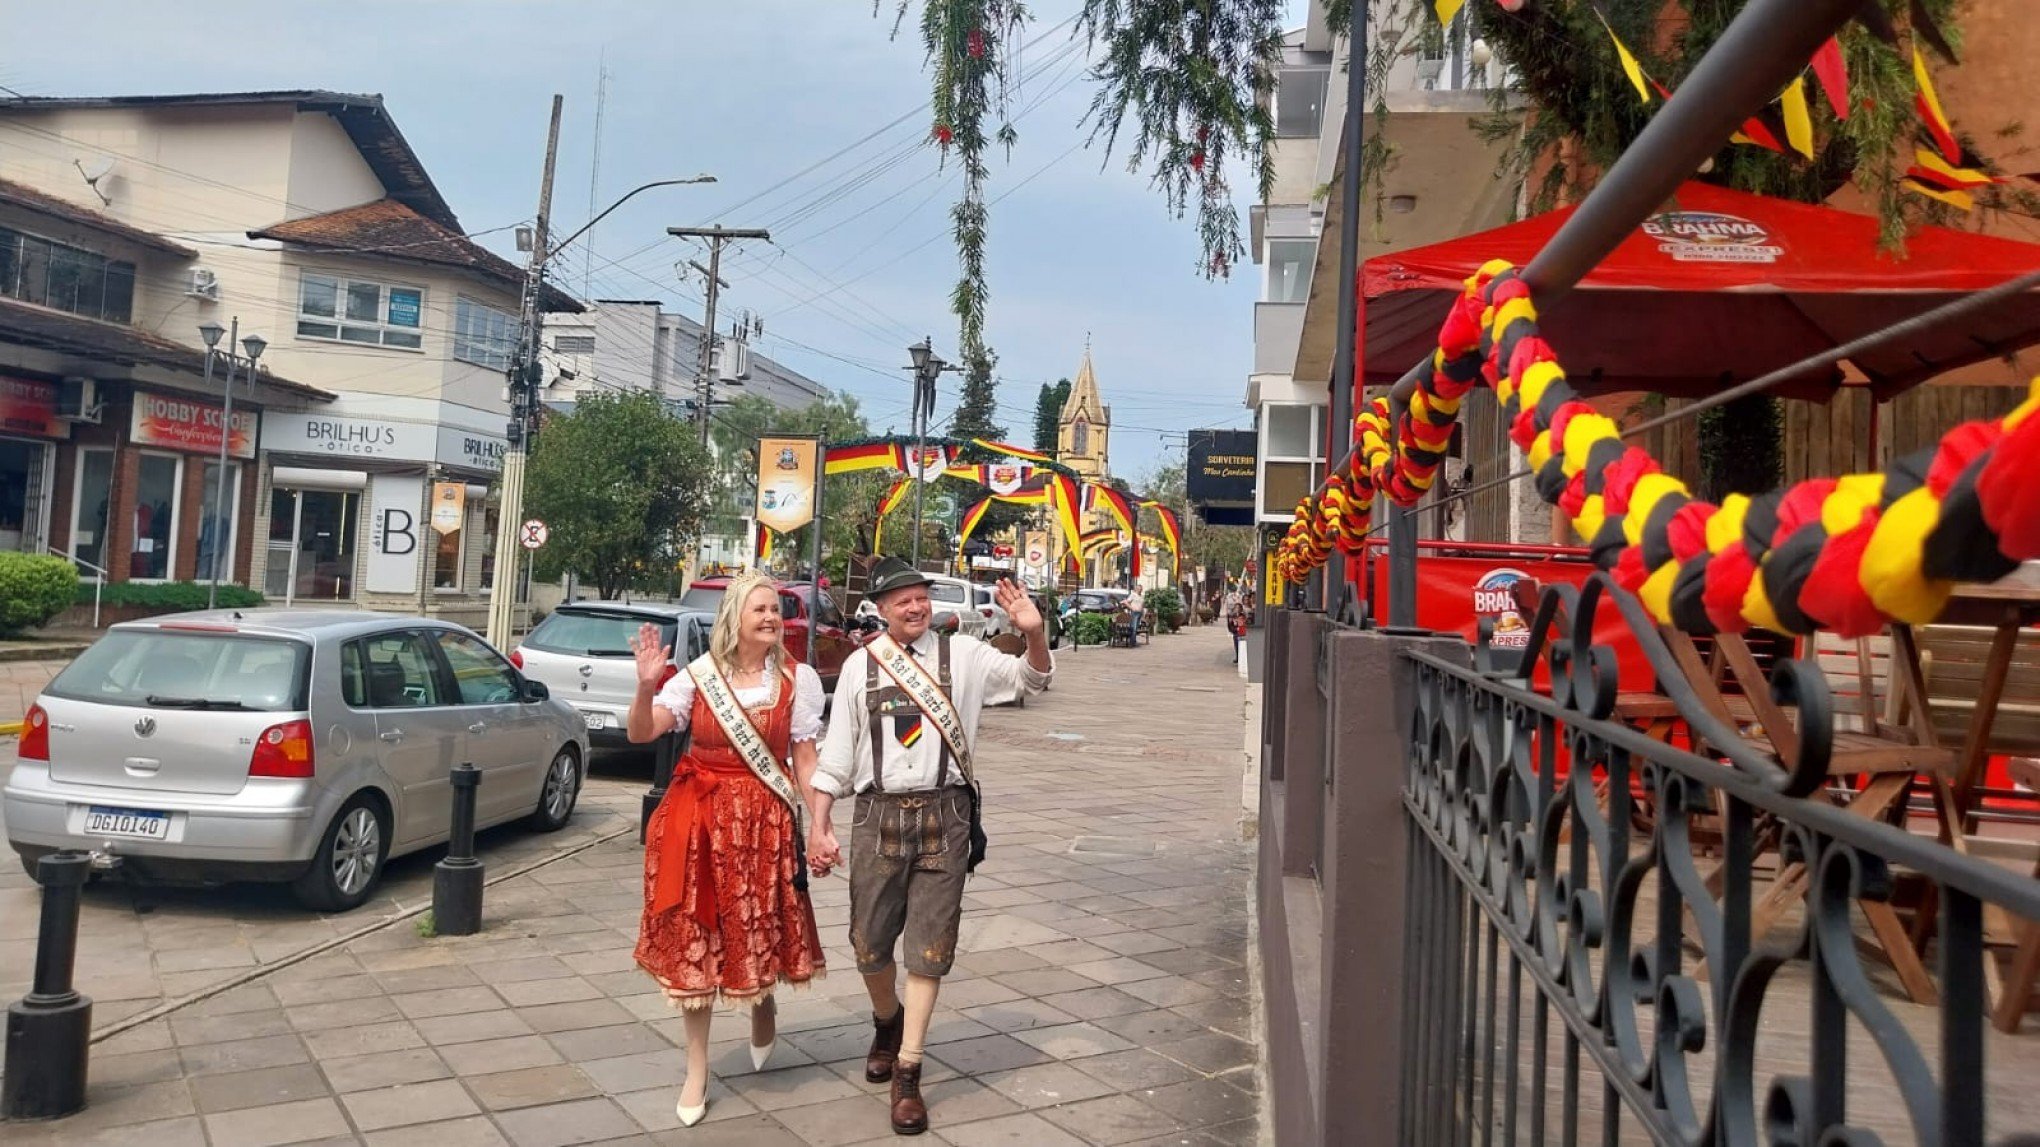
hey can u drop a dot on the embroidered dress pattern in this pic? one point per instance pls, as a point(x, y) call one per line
point(723, 919)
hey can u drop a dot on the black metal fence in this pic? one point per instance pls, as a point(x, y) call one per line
point(1579, 951)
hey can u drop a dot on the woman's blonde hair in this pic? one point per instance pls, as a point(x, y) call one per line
point(729, 619)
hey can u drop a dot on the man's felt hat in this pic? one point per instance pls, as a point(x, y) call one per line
point(891, 574)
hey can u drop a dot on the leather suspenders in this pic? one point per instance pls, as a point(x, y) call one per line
point(872, 691)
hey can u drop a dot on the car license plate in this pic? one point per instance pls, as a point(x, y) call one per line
point(139, 823)
point(595, 720)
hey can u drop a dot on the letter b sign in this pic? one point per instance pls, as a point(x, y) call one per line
point(398, 538)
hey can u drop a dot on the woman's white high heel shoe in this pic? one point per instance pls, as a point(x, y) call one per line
point(689, 1116)
point(760, 1054)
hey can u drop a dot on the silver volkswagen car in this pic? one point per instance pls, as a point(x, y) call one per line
point(306, 746)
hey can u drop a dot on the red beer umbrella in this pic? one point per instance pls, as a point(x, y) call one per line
point(1720, 287)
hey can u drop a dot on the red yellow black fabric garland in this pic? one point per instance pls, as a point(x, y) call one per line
point(1847, 554)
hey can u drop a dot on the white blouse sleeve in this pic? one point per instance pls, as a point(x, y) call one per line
point(808, 702)
point(677, 698)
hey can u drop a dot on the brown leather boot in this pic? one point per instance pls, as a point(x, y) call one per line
point(885, 1046)
point(909, 1113)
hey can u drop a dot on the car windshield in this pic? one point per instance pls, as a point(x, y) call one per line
point(591, 634)
point(949, 593)
point(168, 669)
point(707, 598)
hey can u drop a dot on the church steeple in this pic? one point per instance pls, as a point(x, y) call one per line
point(1084, 437)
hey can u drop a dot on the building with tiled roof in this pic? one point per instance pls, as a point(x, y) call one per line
point(304, 218)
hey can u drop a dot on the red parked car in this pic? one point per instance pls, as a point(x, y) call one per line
point(833, 641)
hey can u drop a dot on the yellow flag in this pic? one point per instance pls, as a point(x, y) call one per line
point(1798, 120)
point(1630, 67)
point(1960, 200)
point(1446, 9)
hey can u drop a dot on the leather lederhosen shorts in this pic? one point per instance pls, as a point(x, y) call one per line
point(908, 854)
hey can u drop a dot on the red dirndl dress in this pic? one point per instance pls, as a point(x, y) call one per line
point(722, 918)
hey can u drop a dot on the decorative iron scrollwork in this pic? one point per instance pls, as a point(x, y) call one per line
point(1575, 841)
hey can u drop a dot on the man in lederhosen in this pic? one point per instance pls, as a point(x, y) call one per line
point(902, 727)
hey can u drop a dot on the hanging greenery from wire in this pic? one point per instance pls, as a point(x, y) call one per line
point(1186, 85)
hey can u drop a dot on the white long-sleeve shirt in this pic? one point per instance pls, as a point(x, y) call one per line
point(978, 676)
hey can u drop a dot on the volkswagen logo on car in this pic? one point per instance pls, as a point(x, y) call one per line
point(145, 726)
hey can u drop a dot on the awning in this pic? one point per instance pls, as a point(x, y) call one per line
point(1720, 287)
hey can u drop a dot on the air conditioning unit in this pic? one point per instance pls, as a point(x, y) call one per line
point(203, 284)
point(78, 400)
point(732, 360)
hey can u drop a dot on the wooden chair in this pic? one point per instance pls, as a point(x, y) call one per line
point(2017, 994)
point(1954, 663)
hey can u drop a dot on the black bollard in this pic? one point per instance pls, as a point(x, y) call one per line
point(665, 753)
point(49, 1032)
point(457, 880)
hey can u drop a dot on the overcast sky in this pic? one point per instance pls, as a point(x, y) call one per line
point(754, 92)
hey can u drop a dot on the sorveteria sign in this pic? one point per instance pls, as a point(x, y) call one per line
point(373, 439)
point(1221, 467)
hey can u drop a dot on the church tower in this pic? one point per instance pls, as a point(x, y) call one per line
point(1084, 434)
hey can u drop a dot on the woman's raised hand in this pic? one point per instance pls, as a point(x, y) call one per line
point(652, 657)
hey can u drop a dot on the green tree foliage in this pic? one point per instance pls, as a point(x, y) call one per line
point(625, 487)
point(33, 589)
point(1048, 415)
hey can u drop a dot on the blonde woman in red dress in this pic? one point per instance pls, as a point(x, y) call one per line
point(727, 916)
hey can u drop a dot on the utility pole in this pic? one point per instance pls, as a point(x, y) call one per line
point(524, 377)
point(704, 377)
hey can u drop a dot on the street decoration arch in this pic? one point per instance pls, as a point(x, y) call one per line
point(1846, 554)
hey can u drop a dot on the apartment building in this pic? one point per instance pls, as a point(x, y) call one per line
point(1437, 184)
point(368, 440)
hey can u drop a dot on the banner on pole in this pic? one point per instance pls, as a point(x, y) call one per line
point(449, 506)
point(786, 483)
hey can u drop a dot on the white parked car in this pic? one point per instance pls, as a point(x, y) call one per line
point(997, 620)
point(297, 745)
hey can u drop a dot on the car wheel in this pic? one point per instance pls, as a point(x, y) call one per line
point(557, 796)
point(349, 862)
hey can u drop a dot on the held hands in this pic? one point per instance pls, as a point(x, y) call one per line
point(1018, 606)
point(823, 854)
point(652, 657)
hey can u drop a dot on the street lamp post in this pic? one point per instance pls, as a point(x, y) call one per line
point(523, 375)
point(927, 367)
point(222, 517)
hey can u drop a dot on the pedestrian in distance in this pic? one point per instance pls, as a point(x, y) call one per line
point(727, 918)
point(906, 716)
point(1136, 605)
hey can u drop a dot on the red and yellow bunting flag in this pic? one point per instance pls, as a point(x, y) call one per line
point(764, 546)
point(896, 494)
point(1447, 9)
point(1116, 503)
point(1950, 183)
point(1172, 533)
point(1092, 539)
point(1761, 130)
point(1928, 104)
point(1798, 117)
point(1067, 508)
point(1010, 450)
point(1630, 68)
point(1035, 492)
point(1833, 73)
point(968, 524)
point(870, 456)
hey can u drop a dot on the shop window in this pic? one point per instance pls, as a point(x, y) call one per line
point(311, 544)
point(90, 506)
point(65, 278)
point(154, 539)
point(359, 311)
point(217, 527)
point(22, 476)
point(483, 335)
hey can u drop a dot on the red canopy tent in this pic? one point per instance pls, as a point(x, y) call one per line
point(1717, 288)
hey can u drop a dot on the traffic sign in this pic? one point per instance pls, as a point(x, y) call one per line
point(533, 535)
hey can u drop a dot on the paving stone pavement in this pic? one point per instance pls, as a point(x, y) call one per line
point(1101, 995)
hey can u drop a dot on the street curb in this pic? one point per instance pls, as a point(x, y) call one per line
point(52, 652)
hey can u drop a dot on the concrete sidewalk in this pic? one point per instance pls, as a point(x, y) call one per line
point(20, 681)
point(1101, 995)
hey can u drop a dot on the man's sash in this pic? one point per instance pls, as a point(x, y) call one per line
point(742, 731)
point(925, 692)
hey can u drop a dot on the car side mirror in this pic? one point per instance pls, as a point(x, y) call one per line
point(535, 690)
